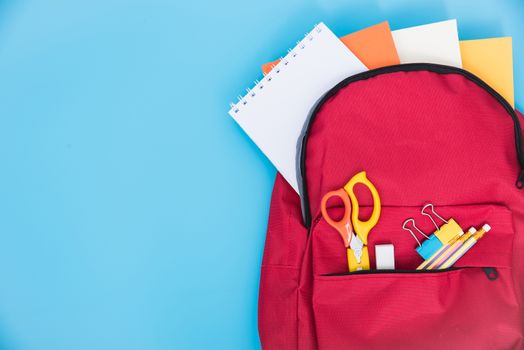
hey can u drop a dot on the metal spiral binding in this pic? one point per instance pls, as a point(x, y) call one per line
point(275, 69)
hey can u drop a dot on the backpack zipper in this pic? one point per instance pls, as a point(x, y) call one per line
point(491, 272)
point(390, 272)
point(441, 69)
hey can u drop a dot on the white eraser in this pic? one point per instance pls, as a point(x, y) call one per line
point(385, 256)
point(486, 227)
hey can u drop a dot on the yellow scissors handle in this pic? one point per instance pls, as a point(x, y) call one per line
point(362, 228)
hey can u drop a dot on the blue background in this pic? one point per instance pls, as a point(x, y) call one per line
point(132, 208)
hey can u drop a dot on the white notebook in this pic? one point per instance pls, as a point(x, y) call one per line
point(274, 111)
point(434, 43)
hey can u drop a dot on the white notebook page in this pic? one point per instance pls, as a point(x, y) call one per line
point(274, 111)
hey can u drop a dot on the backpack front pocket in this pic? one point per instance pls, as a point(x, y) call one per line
point(453, 309)
point(470, 306)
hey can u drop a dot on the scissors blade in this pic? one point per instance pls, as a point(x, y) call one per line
point(356, 243)
point(356, 246)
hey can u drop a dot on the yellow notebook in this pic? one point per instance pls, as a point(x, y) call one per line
point(492, 61)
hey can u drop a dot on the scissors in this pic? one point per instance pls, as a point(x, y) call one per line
point(353, 231)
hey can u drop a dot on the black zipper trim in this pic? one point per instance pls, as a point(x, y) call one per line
point(491, 272)
point(391, 272)
point(436, 68)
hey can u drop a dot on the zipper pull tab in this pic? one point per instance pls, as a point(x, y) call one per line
point(520, 180)
point(491, 273)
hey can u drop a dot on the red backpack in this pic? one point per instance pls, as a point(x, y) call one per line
point(424, 133)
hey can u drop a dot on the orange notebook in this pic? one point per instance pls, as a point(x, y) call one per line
point(373, 46)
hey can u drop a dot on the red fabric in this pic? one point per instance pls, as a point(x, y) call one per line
point(423, 138)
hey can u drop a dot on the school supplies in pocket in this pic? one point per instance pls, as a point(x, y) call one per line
point(465, 247)
point(427, 247)
point(437, 241)
point(445, 251)
point(385, 256)
point(353, 231)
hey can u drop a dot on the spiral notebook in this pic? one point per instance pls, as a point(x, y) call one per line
point(274, 111)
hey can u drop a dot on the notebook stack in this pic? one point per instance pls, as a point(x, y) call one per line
point(274, 111)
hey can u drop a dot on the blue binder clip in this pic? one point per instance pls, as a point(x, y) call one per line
point(429, 246)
